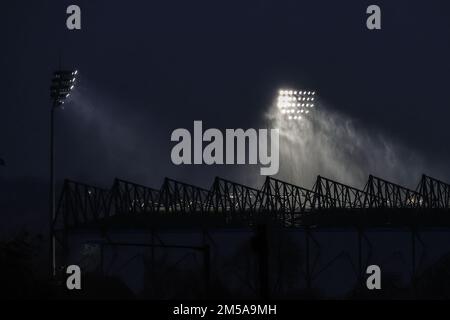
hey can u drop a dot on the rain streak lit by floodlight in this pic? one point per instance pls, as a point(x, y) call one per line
point(296, 104)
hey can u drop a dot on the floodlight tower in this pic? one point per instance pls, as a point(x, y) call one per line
point(63, 82)
point(296, 104)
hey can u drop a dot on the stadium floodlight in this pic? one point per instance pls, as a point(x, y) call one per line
point(62, 84)
point(296, 101)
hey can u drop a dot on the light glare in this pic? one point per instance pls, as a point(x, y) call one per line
point(292, 103)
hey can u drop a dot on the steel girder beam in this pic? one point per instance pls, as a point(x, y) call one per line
point(436, 193)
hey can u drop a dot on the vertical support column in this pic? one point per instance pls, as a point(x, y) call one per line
point(308, 259)
point(152, 234)
point(262, 252)
point(207, 268)
point(152, 271)
point(413, 258)
point(65, 248)
point(206, 261)
point(102, 259)
point(360, 259)
point(64, 241)
point(52, 255)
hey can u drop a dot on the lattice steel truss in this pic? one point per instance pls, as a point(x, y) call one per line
point(384, 194)
point(181, 197)
point(131, 198)
point(333, 194)
point(436, 194)
point(229, 204)
point(233, 197)
point(81, 204)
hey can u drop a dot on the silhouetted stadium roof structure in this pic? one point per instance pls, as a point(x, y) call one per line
point(329, 202)
point(178, 207)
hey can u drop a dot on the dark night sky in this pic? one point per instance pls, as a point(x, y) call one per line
point(149, 67)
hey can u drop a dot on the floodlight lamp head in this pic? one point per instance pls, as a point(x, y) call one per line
point(63, 82)
point(295, 102)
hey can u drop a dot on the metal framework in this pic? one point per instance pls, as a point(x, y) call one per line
point(333, 194)
point(237, 203)
point(81, 204)
point(280, 196)
point(182, 197)
point(131, 198)
point(385, 194)
point(233, 197)
point(436, 194)
point(327, 203)
point(286, 201)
